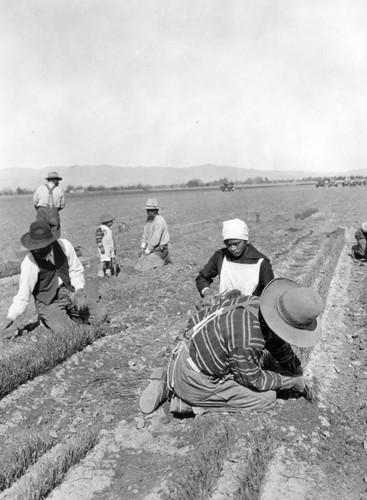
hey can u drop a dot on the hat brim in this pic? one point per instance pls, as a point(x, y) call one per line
point(30, 244)
point(268, 306)
point(53, 178)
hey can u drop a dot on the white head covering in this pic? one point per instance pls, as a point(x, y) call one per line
point(364, 226)
point(235, 229)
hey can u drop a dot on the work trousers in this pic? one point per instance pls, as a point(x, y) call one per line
point(216, 394)
point(61, 314)
point(50, 215)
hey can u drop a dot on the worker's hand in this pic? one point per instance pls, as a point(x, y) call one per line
point(299, 384)
point(4, 334)
point(102, 250)
point(209, 298)
point(80, 300)
point(147, 251)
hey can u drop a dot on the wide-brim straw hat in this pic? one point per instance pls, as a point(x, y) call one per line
point(291, 312)
point(152, 204)
point(106, 218)
point(39, 236)
point(53, 175)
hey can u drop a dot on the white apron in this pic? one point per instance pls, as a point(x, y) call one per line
point(236, 276)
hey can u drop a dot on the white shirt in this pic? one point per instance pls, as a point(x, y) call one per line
point(42, 197)
point(29, 275)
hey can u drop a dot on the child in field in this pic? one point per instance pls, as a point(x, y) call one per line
point(106, 246)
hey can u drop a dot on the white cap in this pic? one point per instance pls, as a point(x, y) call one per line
point(235, 229)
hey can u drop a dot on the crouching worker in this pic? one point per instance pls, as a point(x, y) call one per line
point(53, 274)
point(220, 364)
point(360, 249)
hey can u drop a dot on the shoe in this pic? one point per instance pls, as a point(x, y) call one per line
point(177, 405)
point(156, 393)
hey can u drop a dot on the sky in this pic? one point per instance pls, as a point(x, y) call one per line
point(265, 84)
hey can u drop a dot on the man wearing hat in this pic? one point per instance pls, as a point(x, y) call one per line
point(49, 199)
point(220, 367)
point(106, 245)
point(154, 244)
point(360, 249)
point(239, 264)
point(53, 274)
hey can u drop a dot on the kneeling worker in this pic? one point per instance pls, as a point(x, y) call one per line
point(53, 274)
point(219, 366)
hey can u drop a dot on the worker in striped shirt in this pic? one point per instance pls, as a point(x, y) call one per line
point(220, 364)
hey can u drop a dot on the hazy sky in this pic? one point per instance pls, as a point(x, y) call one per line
point(268, 84)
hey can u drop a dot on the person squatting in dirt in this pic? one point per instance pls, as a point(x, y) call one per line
point(53, 274)
point(48, 200)
point(154, 250)
point(239, 265)
point(106, 246)
point(359, 251)
point(236, 355)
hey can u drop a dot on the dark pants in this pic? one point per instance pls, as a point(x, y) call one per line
point(50, 215)
point(61, 314)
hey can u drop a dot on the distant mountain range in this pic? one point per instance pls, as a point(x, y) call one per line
point(109, 176)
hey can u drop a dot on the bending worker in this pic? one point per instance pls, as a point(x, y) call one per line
point(53, 274)
point(220, 365)
point(239, 265)
point(360, 249)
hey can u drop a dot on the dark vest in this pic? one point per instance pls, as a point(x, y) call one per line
point(48, 283)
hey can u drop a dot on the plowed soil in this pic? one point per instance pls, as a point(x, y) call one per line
point(322, 447)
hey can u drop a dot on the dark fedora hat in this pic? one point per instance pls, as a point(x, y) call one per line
point(291, 312)
point(39, 236)
point(53, 175)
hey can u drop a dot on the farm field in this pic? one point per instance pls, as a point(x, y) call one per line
point(92, 396)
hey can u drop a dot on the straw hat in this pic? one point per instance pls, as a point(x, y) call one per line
point(291, 311)
point(53, 175)
point(151, 204)
point(106, 218)
point(39, 236)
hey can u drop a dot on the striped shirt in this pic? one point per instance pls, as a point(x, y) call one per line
point(234, 342)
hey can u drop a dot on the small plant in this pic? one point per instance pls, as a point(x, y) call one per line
point(306, 213)
point(202, 469)
point(260, 451)
point(20, 365)
point(26, 452)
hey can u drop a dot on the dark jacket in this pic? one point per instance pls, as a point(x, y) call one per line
point(251, 256)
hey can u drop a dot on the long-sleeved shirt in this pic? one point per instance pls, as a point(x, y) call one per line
point(234, 342)
point(105, 242)
point(361, 237)
point(29, 276)
point(213, 268)
point(43, 198)
point(155, 233)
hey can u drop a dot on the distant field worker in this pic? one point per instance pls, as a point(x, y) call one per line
point(154, 250)
point(106, 246)
point(360, 249)
point(48, 200)
point(53, 274)
point(239, 265)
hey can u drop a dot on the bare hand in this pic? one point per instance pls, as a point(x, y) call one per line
point(80, 300)
point(299, 384)
point(209, 298)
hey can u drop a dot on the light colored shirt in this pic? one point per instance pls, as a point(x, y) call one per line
point(155, 233)
point(29, 275)
point(42, 197)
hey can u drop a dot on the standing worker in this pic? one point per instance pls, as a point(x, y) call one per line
point(240, 265)
point(48, 200)
point(106, 246)
point(154, 245)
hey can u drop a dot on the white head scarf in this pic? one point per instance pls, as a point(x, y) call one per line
point(235, 229)
point(364, 226)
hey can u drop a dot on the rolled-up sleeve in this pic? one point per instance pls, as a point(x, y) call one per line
point(27, 281)
point(76, 270)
